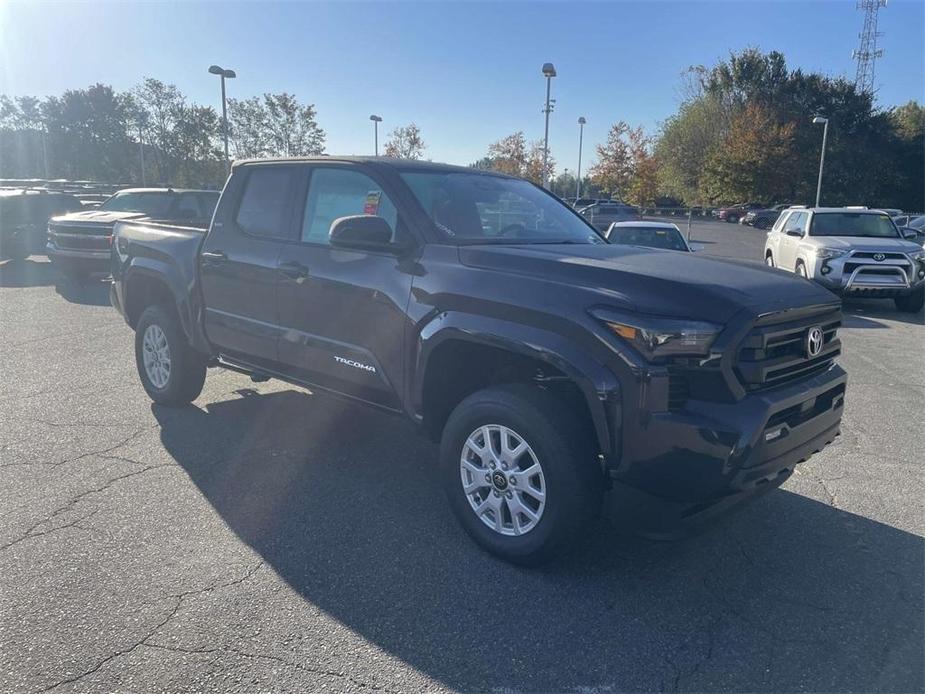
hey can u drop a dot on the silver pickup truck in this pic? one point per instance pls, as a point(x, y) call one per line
point(852, 251)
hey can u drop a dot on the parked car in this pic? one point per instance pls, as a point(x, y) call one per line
point(663, 235)
point(79, 243)
point(24, 216)
point(581, 203)
point(734, 213)
point(763, 218)
point(907, 220)
point(891, 211)
point(548, 363)
point(850, 251)
point(602, 214)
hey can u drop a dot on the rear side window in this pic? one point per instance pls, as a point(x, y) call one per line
point(334, 193)
point(265, 200)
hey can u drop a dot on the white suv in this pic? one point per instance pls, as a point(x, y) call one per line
point(852, 251)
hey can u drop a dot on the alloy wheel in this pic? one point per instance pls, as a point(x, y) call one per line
point(503, 480)
point(156, 353)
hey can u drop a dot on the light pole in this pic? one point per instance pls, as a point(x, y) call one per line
point(549, 71)
point(581, 133)
point(825, 133)
point(376, 121)
point(224, 74)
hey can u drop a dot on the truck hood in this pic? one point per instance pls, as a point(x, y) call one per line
point(96, 217)
point(655, 282)
point(866, 243)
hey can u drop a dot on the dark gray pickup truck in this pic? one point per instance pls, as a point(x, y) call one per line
point(551, 366)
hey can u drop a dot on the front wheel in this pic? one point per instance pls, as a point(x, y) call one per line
point(769, 260)
point(171, 371)
point(801, 270)
point(519, 473)
point(911, 303)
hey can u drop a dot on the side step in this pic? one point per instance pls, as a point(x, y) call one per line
point(255, 375)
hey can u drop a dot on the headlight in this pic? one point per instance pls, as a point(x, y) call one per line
point(655, 337)
point(917, 255)
point(828, 253)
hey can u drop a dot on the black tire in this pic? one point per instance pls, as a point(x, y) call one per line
point(732, 219)
point(800, 269)
point(769, 260)
point(564, 449)
point(187, 372)
point(911, 303)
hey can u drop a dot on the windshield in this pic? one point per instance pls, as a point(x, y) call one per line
point(151, 204)
point(481, 208)
point(651, 237)
point(852, 224)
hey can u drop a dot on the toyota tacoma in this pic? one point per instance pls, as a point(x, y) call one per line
point(550, 365)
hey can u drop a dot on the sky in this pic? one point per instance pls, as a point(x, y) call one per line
point(467, 73)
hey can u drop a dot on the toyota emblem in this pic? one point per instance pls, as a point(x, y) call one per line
point(814, 339)
point(879, 257)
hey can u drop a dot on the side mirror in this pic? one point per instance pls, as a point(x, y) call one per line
point(696, 247)
point(794, 232)
point(909, 233)
point(361, 232)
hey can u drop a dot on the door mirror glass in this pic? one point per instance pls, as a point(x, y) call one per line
point(909, 233)
point(361, 231)
point(695, 247)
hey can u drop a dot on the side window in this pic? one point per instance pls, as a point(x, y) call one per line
point(796, 222)
point(334, 193)
point(188, 207)
point(265, 200)
point(207, 203)
point(779, 224)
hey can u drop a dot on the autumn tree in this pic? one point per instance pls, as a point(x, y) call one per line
point(533, 165)
point(614, 167)
point(405, 143)
point(644, 187)
point(509, 155)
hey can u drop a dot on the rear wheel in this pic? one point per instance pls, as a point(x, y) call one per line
point(911, 303)
point(171, 371)
point(519, 473)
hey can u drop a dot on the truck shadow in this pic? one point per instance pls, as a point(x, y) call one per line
point(345, 505)
point(868, 313)
point(26, 273)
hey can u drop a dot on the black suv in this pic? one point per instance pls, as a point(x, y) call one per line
point(24, 215)
point(551, 365)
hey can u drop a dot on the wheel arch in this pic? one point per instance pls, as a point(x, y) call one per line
point(459, 354)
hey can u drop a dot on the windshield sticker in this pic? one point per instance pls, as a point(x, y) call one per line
point(372, 202)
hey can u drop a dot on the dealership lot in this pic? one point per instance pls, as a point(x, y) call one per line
point(272, 539)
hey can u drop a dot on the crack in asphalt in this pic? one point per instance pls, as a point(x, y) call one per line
point(179, 598)
point(30, 532)
point(101, 453)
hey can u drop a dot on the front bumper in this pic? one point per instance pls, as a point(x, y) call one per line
point(708, 451)
point(86, 260)
point(854, 275)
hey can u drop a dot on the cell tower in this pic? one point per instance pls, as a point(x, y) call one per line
point(867, 53)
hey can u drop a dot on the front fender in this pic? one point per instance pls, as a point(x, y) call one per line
point(598, 385)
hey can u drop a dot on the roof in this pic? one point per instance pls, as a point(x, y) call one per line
point(651, 225)
point(12, 192)
point(400, 164)
point(859, 210)
point(165, 190)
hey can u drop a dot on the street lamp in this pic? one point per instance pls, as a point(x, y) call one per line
point(825, 132)
point(581, 133)
point(224, 74)
point(376, 121)
point(549, 71)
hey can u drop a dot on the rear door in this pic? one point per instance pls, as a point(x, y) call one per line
point(238, 263)
point(343, 311)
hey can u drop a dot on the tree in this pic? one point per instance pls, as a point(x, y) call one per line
point(247, 128)
point(756, 160)
point(533, 165)
point(643, 188)
point(614, 167)
point(687, 140)
point(161, 105)
point(291, 126)
point(405, 143)
point(509, 155)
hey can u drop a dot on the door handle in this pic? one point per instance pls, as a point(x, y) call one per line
point(294, 271)
point(213, 256)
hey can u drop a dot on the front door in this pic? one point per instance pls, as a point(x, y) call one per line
point(343, 311)
point(787, 255)
point(238, 263)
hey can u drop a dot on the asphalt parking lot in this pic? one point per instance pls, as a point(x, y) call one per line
point(269, 539)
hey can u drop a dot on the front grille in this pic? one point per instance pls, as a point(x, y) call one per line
point(886, 256)
point(679, 388)
point(774, 351)
point(79, 237)
point(875, 269)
